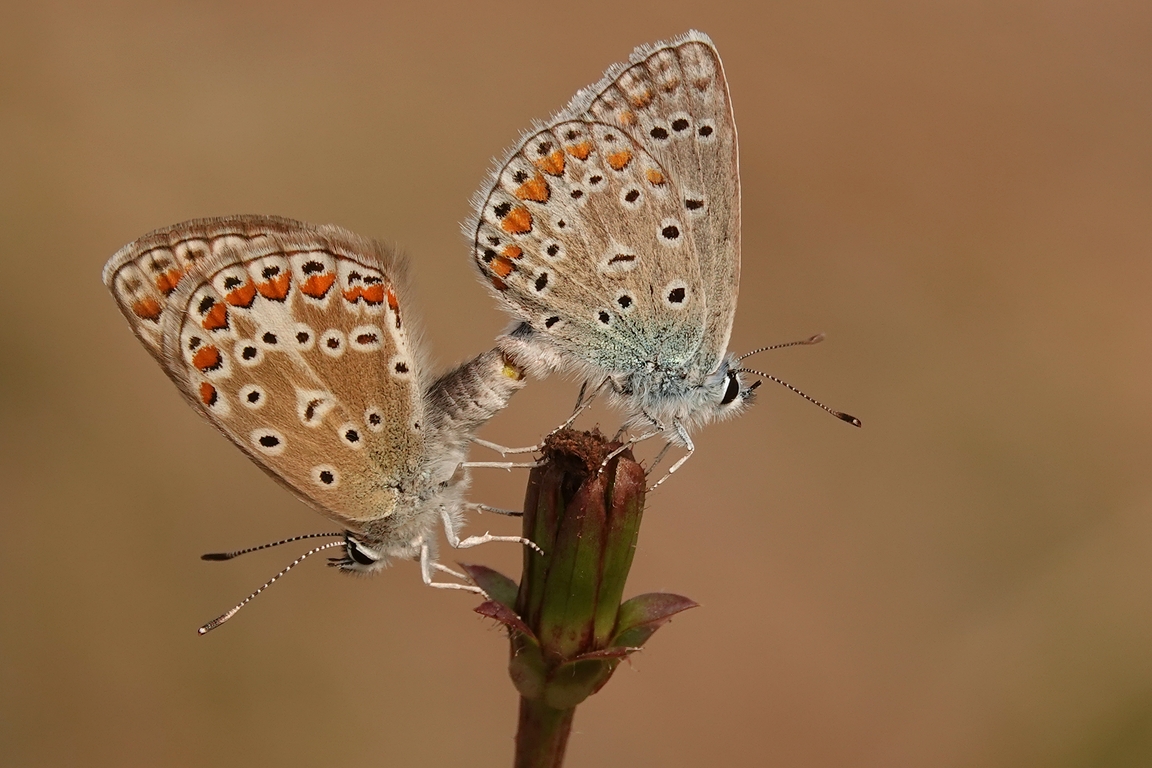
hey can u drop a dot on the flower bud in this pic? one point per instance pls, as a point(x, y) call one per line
point(567, 626)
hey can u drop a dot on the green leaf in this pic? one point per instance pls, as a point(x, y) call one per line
point(498, 586)
point(642, 615)
point(576, 680)
point(527, 669)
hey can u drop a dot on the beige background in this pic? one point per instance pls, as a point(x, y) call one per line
point(960, 194)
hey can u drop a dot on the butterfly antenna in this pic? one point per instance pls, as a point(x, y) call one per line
point(223, 618)
point(804, 342)
point(237, 553)
point(838, 414)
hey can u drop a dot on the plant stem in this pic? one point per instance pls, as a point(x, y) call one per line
point(567, 628)
point(542, 735)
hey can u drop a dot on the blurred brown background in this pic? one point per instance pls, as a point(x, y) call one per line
point(960, 194)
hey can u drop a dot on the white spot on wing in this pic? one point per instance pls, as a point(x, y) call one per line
point(374, 419)
point(350, 436)
point(268, 441)
point(312, 405)
point(332, 343)
point(325, 476)
point(253, 396)
point(366, 338)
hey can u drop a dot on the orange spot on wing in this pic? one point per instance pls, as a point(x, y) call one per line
point(394, 304)
point(580, 151)
point(552, 164)
point(242, 296)
point(276, 288)
point(166, 282)
point(512, 252)
point(619, 160)
point(641, 100)
point(518, 221)
point(627, 117)
point(207, 393)
point(499, 284)
point(147, 309)
point(216, 318)
point(373, 294)
point(655, 178)
point(501, 266)
point(317, 286)
point(535, 189)
point(206, 359)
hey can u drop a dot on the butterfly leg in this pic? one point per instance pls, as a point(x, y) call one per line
point(509, 465)
point(627, 445)
point(427, 565)
point(582, 404)
point(503, 450)
point(583, 401)
point(493, 510)
point(659, 456)
point(472, 541)
point(683, 433)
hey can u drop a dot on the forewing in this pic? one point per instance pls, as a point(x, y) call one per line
point(144, 274)
point(674, 96)
point(293, 345)
point(669, 117)
point(583, 236)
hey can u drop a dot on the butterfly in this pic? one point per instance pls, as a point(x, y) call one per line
point(612, 232)
point(292, 340)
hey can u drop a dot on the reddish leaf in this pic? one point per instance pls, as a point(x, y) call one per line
point(642, 615)
point(505, 616)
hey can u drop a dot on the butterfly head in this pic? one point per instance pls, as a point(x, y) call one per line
point(730, 393)
point(682, 402)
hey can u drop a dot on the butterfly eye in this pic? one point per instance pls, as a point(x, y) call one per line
point(733, 390)
point(359, 554)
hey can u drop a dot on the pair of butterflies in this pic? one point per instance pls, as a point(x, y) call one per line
point(612, 232)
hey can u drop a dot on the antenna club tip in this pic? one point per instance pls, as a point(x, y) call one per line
point(215, 623)
point(816, 339)
point(849, 418)
point(217, 556)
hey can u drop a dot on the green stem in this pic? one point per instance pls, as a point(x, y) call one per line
point(542, 735)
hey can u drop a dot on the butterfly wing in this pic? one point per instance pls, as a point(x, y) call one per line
point(289, 339)
point(619, 220)
point(675, 96)
point(144, 274)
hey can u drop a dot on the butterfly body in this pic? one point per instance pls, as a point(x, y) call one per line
point(293, 341)
point(612, 233)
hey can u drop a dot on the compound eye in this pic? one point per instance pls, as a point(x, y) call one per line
point(357, 554)
point(732, 391)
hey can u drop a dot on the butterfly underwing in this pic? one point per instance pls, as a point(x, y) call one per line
point(294, 341)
